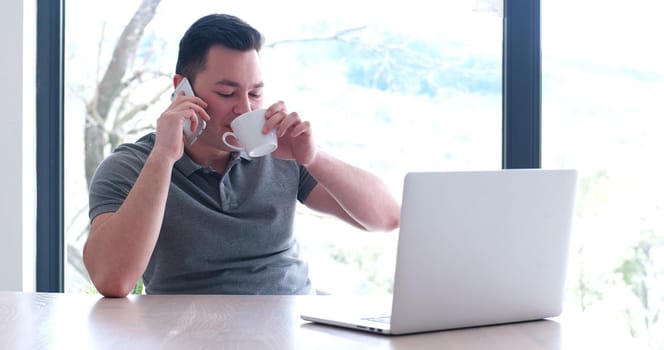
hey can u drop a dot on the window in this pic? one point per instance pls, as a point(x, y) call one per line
point(603, 84)
point(400, 89)
point(601, 98)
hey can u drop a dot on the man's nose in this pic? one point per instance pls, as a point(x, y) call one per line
point(243, 106)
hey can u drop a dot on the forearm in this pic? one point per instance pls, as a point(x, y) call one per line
point(120, 244)
point(362, 195)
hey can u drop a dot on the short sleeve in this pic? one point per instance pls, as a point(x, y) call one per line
point(113, 179)
point(307, 184)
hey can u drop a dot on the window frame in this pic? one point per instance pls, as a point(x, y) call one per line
point(522, 84)
point(49, 148)
point(521, 133)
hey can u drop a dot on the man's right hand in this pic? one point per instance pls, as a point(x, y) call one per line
point(120, 243)
point(170, 139)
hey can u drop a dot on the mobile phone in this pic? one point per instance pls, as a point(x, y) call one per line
point(190, 136)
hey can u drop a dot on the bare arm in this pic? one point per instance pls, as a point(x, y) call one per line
point(352, 194)
point(120, 244)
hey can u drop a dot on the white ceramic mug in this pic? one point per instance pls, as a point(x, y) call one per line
point(247, 129)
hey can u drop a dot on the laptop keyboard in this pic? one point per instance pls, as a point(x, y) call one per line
point(383, 319)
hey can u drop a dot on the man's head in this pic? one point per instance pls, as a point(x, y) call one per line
point(216, 29)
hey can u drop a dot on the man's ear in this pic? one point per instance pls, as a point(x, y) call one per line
point(177, 78)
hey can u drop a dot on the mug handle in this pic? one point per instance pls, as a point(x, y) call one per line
point(223, 138)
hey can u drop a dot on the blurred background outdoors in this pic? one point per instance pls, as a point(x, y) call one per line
point(395, 87)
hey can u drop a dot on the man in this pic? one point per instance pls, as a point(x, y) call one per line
point(202, 218)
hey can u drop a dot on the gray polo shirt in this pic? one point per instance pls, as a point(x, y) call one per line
point(228, 233)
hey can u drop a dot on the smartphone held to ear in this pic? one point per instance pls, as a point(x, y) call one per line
point(190, 136)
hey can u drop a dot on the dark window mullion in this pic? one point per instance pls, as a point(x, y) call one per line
point(522, 89)
point(50, 138)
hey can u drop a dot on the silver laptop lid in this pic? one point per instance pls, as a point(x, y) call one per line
point(482, 247)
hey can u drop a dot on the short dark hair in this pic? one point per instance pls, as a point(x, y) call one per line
point(215, 29)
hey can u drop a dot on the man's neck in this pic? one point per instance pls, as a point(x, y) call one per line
point(208, 157)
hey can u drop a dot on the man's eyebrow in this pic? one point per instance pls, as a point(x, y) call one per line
point(226, 82)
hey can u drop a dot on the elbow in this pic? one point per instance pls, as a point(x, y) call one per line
point(112, 288)
point(393, 221)
point(392, 218)
point(389, 221)
point(113, 292)
point(108, 283)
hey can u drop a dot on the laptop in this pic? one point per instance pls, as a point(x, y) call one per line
point(475, 248)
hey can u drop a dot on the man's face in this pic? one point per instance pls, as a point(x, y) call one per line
point(231, 84)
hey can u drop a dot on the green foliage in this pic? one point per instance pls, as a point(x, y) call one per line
point(366, 260)
point(640, 275)
point(586, 291)
point(138, 288)
point(89, 288)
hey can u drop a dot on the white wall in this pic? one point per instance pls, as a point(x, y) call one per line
point(17, 151)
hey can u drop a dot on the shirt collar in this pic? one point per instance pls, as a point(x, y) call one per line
point(188, 166)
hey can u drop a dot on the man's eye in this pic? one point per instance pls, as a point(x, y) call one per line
point(256, 95)
point(225, 94)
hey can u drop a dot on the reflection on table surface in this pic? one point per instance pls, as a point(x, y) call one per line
point(82, 321)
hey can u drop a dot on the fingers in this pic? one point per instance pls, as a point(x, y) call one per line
point(195, 104)
point(182, 112)
point(194, 121)
point(278, 118)
point(274, 116)
point(303, 128)
point(286, 123)
point(190, 113)
point(275, 108)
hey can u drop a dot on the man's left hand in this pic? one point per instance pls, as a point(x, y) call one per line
point(294, 135)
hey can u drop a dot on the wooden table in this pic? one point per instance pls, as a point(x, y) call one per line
point(82, 321)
